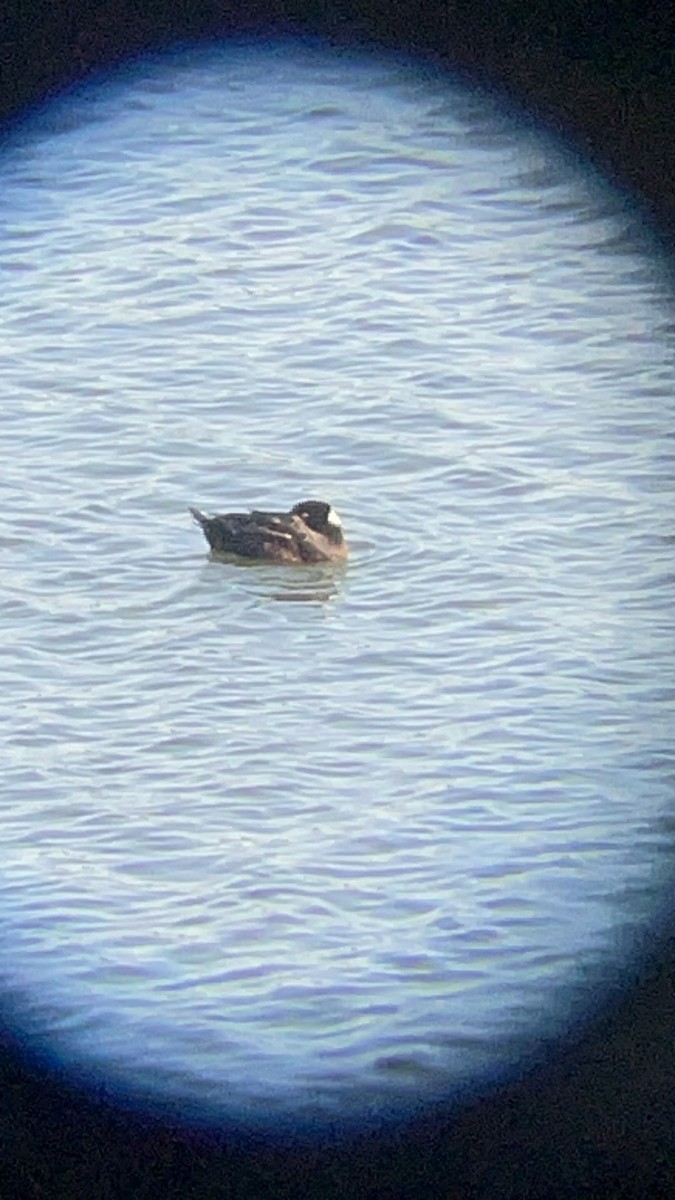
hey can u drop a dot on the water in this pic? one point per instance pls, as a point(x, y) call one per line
point(320, 856)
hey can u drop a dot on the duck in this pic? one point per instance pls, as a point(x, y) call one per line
point(310, 532)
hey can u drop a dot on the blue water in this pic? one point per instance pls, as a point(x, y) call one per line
point(316, 857)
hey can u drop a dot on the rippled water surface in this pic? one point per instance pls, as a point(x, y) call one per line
point(322, 854)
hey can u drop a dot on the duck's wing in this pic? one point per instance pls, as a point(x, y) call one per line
point(250, 534)
point(312, 545)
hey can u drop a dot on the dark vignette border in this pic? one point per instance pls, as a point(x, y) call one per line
point(597, 1116)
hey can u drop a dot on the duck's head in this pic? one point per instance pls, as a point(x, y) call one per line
point(320, 517)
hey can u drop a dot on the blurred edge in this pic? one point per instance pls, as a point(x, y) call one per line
point(600, 74)
point(598, 1118)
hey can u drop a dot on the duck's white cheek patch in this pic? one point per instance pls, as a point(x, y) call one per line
point(333, 518)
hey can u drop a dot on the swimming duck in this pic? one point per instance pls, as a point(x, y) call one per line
point(310, 532)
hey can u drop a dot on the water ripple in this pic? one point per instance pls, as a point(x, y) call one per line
point(337, 834)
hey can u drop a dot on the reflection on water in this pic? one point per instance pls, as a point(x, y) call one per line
point(318, 855)
point(318, 582)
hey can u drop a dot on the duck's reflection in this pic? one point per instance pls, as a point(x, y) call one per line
point(317, 583)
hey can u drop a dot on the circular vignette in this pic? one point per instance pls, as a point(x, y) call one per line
point(613, 1035)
